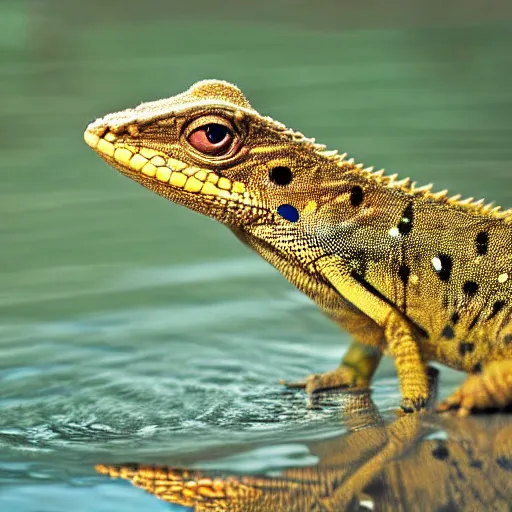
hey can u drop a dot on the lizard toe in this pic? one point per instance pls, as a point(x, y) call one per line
point(340, 378)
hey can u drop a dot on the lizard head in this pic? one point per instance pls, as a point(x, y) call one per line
point(209, 150)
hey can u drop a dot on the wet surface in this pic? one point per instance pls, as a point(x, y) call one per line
point(136, 331)
point(416, 462)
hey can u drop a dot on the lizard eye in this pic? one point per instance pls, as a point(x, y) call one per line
point(212, 139)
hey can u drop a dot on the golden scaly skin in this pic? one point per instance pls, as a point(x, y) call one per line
point(416, 463)
point(407, 272)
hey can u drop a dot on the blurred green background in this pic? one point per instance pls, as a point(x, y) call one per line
point(131, 327)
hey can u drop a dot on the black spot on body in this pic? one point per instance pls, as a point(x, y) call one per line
point(281, 175)
point(405, 224)
point(477, 368)
point(404, 272)
point(445, 271)
point(496, 308)
point(455, 318)
point(440, 452)
point(473, 322)
point(507, 339)
point(504, 462)
point(477, 464)
point(356, 195)
point(466, 348)
point(448, 332)
point(482, 243)
point(470, 288)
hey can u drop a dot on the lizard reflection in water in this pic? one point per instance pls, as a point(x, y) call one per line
point(406, 271)
point(415, 463)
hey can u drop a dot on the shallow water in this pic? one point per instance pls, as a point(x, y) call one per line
point(134, 330)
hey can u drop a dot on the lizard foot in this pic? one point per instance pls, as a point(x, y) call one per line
point(491, 389)
point(341, 377)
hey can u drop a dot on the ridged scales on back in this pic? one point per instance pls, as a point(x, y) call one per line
point(409, 272)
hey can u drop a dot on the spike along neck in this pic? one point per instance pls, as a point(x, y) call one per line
point(391, 181)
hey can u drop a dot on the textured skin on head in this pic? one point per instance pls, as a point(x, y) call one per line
point(219, 90)
point(407, 271)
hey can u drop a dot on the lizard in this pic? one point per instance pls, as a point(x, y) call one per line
point(408, 272)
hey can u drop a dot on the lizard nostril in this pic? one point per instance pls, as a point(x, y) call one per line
point(281, 175)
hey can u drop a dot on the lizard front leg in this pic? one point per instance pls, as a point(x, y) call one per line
point(412, 371)
point(398, 334)
point(355, 371)
point(491, 389)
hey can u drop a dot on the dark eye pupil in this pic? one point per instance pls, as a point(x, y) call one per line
point(216, 133)
point(281, 175)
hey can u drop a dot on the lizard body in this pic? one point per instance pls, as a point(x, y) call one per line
point(406, 271)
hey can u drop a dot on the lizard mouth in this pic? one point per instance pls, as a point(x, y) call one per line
point(147, 165)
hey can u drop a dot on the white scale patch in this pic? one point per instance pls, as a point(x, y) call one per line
point(394, 232)
point(436, 262)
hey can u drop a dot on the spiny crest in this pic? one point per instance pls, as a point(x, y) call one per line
point(477, 207)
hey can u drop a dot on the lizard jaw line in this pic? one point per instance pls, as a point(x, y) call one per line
point(155, 165)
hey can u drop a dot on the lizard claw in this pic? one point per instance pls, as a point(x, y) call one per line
point(298, 384)
point(415, 404)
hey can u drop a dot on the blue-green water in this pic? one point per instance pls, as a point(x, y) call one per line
point(135, 330)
